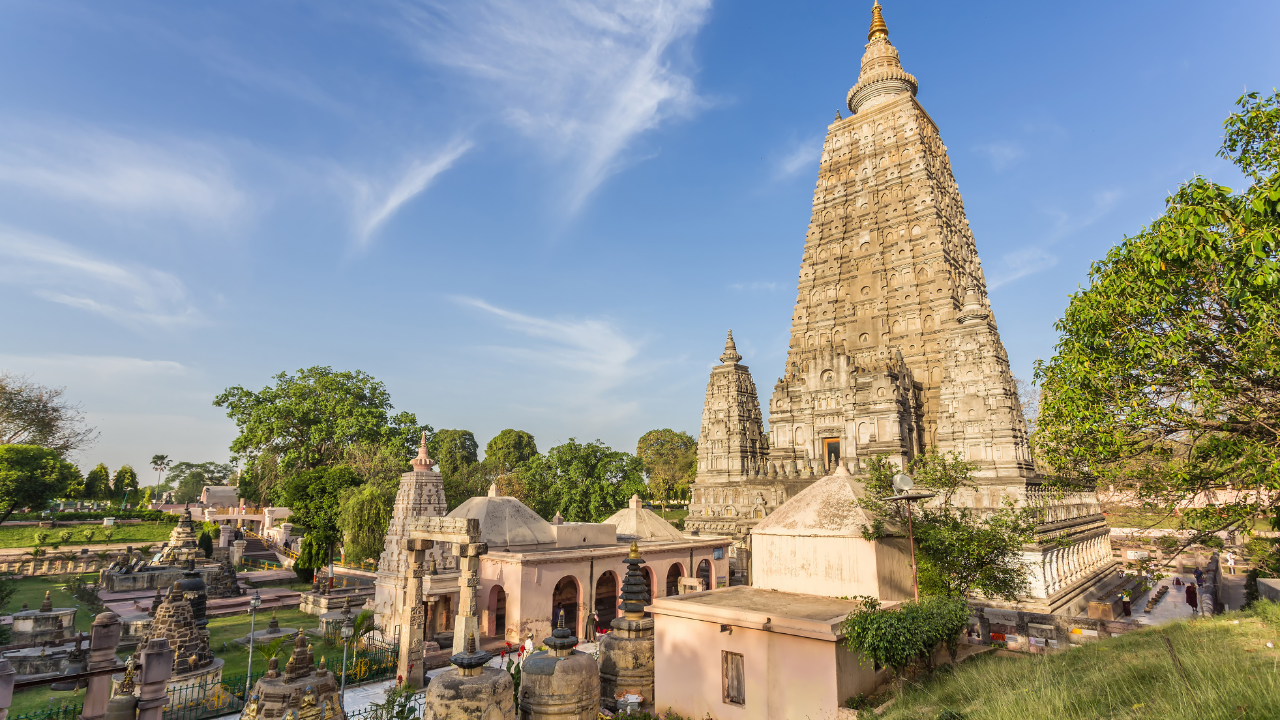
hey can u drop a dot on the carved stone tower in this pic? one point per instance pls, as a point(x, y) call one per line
point(890, 270)
point(421, 494)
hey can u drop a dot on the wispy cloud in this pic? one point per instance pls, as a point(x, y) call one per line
point(594, 348)
point(1014, 266)
point(585, 79)
point(116, 173)
point(757, 286)
point(375, 207)
point(1001, 154)
point(132, 295)
point(804, 156)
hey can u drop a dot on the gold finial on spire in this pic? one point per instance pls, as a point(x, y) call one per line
point(635, 551)
point(878, 28)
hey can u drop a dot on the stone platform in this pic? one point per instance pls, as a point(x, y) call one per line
point(335, 599)
point(129, 604)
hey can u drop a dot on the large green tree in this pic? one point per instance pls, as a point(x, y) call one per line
point(305, 421)
point(97, 483)
point(670, 460)
point(31, 476)
point(363, 518)
point(190, 478)
point(455, 450)
point(584, 482)
point(1166, 378)
point(959, 550)
point(315, 499)
point(509, 448)
point(125, 480)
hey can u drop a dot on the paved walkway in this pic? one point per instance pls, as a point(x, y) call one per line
point(1172, 607)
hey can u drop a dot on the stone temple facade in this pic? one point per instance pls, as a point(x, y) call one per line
point(894, 347)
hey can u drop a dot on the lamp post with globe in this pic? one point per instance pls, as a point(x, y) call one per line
point(902, 484)
point(254, 603)
point(347, 631)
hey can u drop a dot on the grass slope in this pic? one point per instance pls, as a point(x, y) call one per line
point(1227, 672)
point(23, 536)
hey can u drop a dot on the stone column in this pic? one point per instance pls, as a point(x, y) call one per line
point(157, 668)
point(413, 617)
point(104, 637)
point(6, 688)
point(468, 621)
point(237, 551)
point(626, 654)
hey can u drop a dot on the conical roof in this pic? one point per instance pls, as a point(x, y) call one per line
point(635, 521)
point(505, 522)
point(826, 508)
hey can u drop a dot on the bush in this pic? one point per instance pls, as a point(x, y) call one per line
point(140, 514)
point(907, 634)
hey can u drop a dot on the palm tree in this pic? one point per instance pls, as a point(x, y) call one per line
point(160, 463)
point(364, 624)
point(265, 652)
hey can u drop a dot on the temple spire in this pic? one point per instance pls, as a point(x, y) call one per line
point(730, 351)
point(878, 28)
point(423, 461)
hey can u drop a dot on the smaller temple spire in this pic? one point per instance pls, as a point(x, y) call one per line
point(46, 605)
point(730, 355)
point(423, 462)
point(878, 27)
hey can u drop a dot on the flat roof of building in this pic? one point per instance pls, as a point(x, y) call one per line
point(815, 616)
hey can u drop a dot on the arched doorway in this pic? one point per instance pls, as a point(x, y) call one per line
point(564, 601)
point(674, 573)
point(606, 600)
point(497, 624)
point(704, 572)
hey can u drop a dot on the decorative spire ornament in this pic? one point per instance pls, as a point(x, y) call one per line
point(878, 27)
point(730, 355)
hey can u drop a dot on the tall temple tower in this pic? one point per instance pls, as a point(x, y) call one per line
point(894, 348)
point(890, 276)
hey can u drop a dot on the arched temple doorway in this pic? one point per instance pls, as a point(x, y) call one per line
point(497, 607)
point(606, 600)
point(704, 572)
point(674, 573)
point(564, 601)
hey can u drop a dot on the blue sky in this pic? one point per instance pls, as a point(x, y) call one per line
point(537, 214)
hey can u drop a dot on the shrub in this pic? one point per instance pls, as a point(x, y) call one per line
point(907, 634)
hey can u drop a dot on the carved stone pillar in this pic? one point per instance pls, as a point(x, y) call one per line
point(413, 617)
point(6, 687)
point(157, 668)
point(104, 637)
point(468, 621)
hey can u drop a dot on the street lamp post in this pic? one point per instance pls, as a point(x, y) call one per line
point(348, 629)
point(254, 603)
point(902, 483)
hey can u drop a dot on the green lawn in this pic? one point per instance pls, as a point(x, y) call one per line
point(1143, 518)
point(1227, 671)
point(23, 536)
point(31, 591)
point(672, 516)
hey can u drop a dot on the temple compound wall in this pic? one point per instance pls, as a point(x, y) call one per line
point(893, 350)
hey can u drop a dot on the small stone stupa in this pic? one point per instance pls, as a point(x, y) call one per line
point(43, 625)
point(302, 692)
point(560, 682)
point(471, 690)
point(182, 541)
point(225, 584)
point(175, 621)
point(626, 654)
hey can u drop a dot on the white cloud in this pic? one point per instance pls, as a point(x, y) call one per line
point(375, 207)
point(1001, 154)
point(594, 348)
point(119, 174)
point(803, 157)
point(132, 295)
point(583, 78)
point(1014, 266)
point(757, 286)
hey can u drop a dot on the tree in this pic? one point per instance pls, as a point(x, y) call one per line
point(583, 482)
point(907, 634)
point(97, 484)
point(191, 478)
point(363, 520)
point(1166, 377)
point(670, 460)
point(455, 450)
point(380, 463)
point(32, 414)
point(31, 476)
point(305, 421)
point(315, 497)
point(160, 463)
point(125, 480)
point(509, 448)
point(959, 550)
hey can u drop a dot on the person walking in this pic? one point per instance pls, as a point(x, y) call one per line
point(1199, 576)
point(1231, 563)
point(1191, 596)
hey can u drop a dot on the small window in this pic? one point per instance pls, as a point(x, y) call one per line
point(735, 685)
point(717, 554)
